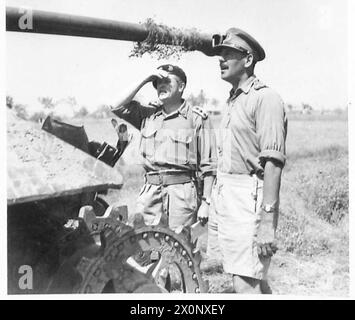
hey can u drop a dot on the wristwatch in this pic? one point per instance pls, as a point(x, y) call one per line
point(207, 200)
point(268, 208)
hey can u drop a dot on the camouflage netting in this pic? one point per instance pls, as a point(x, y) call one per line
point(175, 41)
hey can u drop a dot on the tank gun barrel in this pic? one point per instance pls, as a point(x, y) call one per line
point(73, 25)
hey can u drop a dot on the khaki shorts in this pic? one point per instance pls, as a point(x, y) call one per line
point(179, 202)
point(233, 223)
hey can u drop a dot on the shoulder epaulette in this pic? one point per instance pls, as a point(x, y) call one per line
point(200, 112)
point(259, 85)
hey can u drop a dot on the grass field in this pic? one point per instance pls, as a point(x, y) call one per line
point(313, 227)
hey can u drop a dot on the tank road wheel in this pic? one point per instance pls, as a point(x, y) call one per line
point(125, 259)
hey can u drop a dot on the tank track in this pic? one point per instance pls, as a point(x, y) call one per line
point(128, 257)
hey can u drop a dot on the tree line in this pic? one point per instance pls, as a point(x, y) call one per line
point(51, 107)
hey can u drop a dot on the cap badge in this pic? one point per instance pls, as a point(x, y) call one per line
point(228, 37)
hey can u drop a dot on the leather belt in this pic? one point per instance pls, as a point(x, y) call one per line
point(169, 178)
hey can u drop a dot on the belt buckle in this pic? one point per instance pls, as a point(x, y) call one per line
point(160, 179)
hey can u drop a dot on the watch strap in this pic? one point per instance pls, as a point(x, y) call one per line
point(207, 200)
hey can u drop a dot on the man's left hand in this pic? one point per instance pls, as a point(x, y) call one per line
point(203, 212)
point(266, 235)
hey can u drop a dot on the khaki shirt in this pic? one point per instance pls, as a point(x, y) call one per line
point(182, 140)
point(253, 129)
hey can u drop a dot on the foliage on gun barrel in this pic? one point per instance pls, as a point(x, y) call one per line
point(167, 42)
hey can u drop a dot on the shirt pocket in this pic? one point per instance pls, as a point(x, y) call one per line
point(178, 149)
point(147, 143)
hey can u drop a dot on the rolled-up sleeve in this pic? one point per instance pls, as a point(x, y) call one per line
point(207, 149)
point(271, 128)
point(133, 113)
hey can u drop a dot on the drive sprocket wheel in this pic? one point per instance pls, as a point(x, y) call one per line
point(126, 259)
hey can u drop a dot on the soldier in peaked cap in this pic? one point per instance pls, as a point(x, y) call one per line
point(177, 146)
point(251, 156)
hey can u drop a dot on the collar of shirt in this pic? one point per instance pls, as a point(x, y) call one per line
point(182, 110)
point(245, 87)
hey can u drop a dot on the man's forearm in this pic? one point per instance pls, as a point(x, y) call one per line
point(129, 94)
point(272, 182)
point(271, 189)
point(207, 186)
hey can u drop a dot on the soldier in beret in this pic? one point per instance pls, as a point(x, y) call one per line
point(177, 147)
point(251, 156)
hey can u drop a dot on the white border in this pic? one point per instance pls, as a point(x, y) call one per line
point(175, 297)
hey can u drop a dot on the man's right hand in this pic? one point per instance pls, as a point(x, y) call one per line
point(157, 74)
point(127, 95)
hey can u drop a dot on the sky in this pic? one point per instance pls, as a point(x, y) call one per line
point(306, 44)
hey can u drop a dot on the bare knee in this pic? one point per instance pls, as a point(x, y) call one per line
point(246, 285)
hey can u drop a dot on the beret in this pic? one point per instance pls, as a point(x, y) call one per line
point(240, 40)
point(172, 70)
